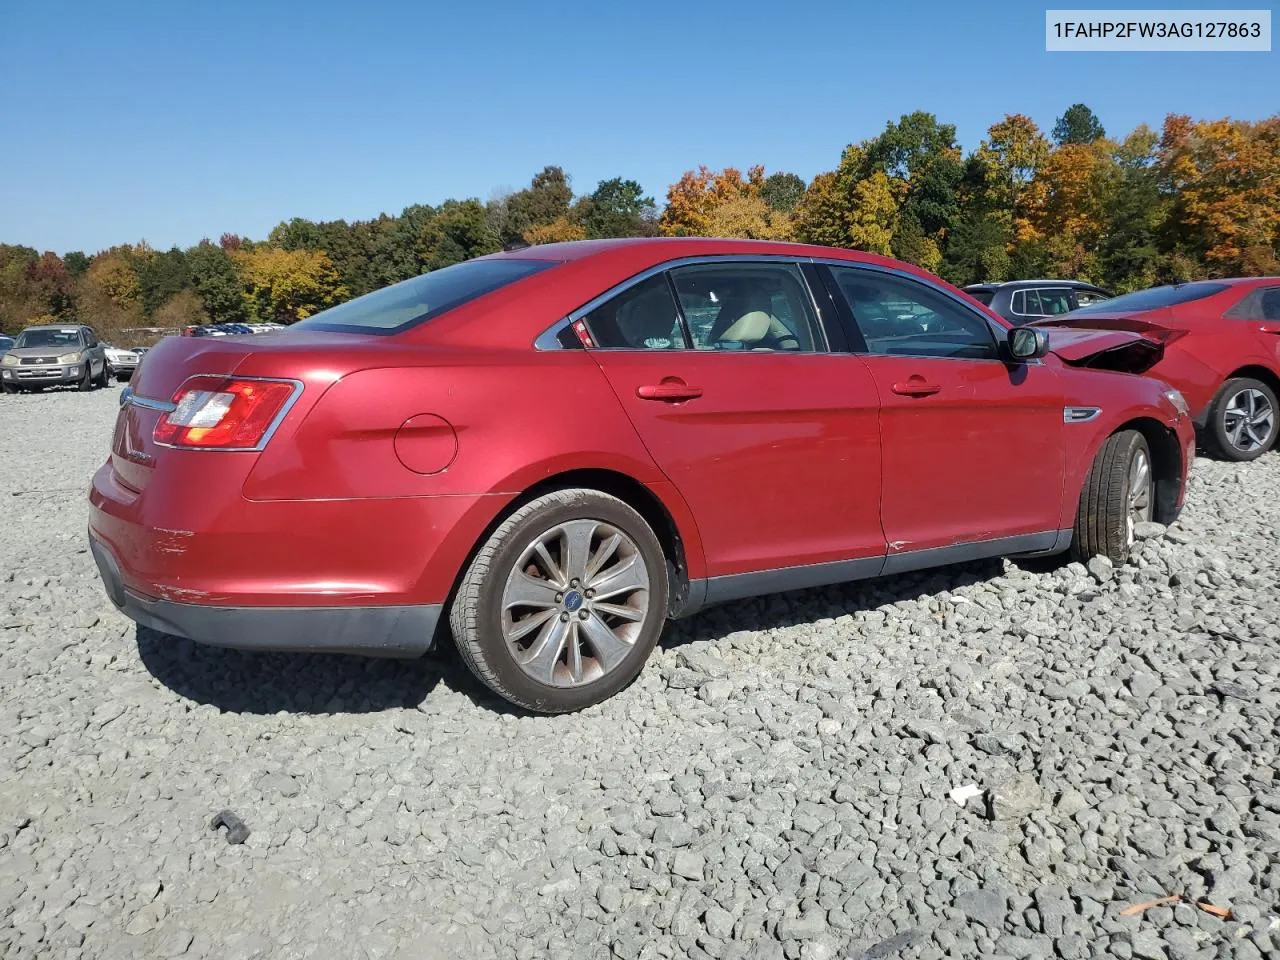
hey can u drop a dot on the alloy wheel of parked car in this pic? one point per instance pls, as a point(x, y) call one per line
point(1118, 494)
point(561, 607)
point(1243, 420)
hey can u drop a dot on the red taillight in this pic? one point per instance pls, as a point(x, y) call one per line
point(224, 413)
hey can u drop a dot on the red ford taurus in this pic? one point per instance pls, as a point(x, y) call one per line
point(556, 449)
point(1222, 351)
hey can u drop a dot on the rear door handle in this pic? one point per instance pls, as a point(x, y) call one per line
point(916, 388)
point(670, 391)
point(1272, 328)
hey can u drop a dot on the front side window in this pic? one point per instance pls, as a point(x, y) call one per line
point(901, 317)
point(1085, 298)
point(747, 306)
point(642, 317)
point(1261, 304)
point(410, 302)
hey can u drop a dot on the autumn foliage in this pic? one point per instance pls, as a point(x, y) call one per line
point(1196, 198)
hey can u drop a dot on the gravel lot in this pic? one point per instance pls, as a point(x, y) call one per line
point(775, 784)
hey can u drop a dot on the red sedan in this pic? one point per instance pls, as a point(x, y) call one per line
point(554, 450)
point(1222, 351)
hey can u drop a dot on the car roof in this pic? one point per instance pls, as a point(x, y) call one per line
point(1075, 284)
point(665, 248)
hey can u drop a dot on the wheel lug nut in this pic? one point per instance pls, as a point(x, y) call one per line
point(582, 614)
point(559, 597)
point(589, 594)
point(564, 618)
point(573, 583)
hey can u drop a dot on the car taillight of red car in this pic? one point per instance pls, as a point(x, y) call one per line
point(225, 413)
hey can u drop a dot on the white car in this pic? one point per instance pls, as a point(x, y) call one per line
point(122, 363)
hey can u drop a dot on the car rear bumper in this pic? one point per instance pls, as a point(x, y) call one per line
point(378, 631)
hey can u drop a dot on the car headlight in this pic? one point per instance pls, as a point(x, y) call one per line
point(9, 360)
point(1178, 401)
point(69, 358)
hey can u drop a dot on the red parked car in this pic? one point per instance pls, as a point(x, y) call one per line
point(553, 450)
point(1222, 351)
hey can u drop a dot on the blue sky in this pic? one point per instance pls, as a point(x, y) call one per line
point(170, 122)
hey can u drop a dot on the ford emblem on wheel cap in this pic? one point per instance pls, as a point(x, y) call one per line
point(572, 600)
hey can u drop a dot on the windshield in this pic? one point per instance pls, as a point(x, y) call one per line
point(411, 302)
point(68, 337)
point(1154, 298)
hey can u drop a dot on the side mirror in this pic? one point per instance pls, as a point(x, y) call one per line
point(1028, 343)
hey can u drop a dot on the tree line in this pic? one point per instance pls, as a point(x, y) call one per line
point(1199, 198)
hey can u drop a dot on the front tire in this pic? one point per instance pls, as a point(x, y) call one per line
point(86, 382)
point(1243, 420)
point(104, 378)
point(1118, 493)
point(562, 605)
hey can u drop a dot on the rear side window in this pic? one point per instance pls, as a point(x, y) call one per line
point(410, 302)
point(1262, 304)
point(642, 317)
point(1054, 301)
point(1156, 297)
point(746, 306)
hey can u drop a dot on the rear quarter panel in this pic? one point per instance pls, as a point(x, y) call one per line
point(517, 420)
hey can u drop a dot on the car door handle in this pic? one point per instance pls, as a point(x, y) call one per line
point(916, 388)
point(670, 391)
point(1272, 328)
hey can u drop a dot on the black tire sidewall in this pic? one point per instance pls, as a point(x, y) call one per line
point(488, 615)
point(1217, 420)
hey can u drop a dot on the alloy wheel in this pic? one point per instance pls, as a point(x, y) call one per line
point(574, 603)
point(1248, 420)
point(1140, 491)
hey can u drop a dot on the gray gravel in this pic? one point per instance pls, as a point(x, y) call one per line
point(775, 784)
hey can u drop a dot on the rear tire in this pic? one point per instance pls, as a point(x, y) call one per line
point(562, 605)
point(1243, 420)
point(1118, 493)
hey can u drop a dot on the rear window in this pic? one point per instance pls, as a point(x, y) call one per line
point(410, 302)
point(984, 297)
point(1154, 298)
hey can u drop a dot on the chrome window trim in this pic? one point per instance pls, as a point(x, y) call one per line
point(1023, 290)
point(999, 333)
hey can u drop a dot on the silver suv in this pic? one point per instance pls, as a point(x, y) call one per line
point(51, 356)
